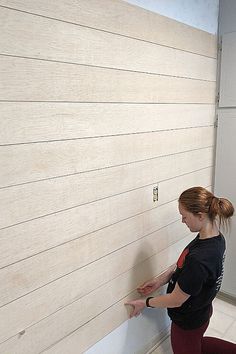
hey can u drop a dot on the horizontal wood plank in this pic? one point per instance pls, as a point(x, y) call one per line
point(40, 234)
point(36, 121)
point(66, 258)
point(35, 80)
point(91, 98)
point(125, 19)
point(25, 163)
point(151, 245)
point(32, 200)
point(55, 40)
point(71, 343)
point(21, 283)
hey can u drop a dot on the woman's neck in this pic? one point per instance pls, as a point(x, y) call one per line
point(209, 230)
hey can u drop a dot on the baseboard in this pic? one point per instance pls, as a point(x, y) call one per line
point(157, 340)
point(226, 297)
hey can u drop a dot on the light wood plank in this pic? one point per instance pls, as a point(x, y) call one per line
point(62, 260)
point(70, 343)
point(35, 80)
point(43, 233)
point(55, 40)
point(123, 18)
point(21, 283)
point(32, 200)
point(36, 121)
point(39, 307)
point(25, 163)
point(34, 290)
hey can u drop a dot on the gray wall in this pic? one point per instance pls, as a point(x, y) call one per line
point(227, 13)
point(225, 147)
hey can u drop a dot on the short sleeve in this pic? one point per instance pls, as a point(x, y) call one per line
point(192, 277)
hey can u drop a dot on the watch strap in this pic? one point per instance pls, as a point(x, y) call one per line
point(147, 301)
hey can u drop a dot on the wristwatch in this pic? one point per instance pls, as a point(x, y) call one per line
point(147, 301)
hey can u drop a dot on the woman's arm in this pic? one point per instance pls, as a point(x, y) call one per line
point(165, 277)
point(174, 299)
point(151, 285)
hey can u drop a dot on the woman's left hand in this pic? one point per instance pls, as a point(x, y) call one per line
point(138, 306)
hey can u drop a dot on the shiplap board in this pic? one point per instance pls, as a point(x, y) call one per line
point(58, 228)
point(23, 282)
point(55, 40)
point(76, 343)
point(25, 202)
point(31, 162)
point(36, 121)
point(36, 80)
point(156, 243)
point(37, 288)
point(49, 330)
point(66, 258)
point(120, 17)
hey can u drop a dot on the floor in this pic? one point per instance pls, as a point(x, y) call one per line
point(222, 325)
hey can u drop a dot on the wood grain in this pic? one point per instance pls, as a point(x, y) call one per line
point(23, 122)
point(151, 262)
point(36, 80)
point(120, 17)
point(27, 163)
point(60, 41)
point(68, 257)
point(40, 234)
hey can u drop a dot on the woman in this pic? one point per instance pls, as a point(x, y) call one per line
point(196, 278)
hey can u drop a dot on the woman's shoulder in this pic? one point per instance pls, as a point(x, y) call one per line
point(210, 252)
point(210, 244)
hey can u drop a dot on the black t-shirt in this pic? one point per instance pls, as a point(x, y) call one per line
point(199, 273)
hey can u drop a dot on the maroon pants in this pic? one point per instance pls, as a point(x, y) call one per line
point(193, 342)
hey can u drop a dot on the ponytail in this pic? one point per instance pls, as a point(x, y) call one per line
point(221, 208)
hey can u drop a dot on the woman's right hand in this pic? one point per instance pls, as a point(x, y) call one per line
point(148, 287)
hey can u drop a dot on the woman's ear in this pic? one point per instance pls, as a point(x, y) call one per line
point(201, 216)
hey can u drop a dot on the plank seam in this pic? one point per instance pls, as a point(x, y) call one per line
point(107, 167)
point(106, 31)
point(100, 199)
point(104, 67)
point(107, 136)
point(64, 275)
point(101, 285)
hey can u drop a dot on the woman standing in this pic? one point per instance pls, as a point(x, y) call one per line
point(196, 278)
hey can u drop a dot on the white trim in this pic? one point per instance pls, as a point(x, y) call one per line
point(160, 338)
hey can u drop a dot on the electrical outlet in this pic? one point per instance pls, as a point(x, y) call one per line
point(155, 193)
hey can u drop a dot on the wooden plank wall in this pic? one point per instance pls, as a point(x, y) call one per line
point(99, 101)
